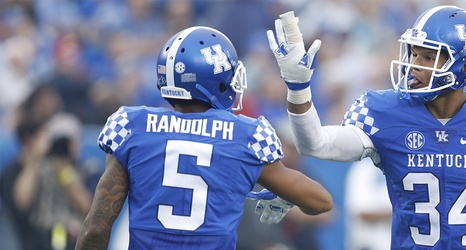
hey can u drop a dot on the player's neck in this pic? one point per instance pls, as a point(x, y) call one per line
point(191, 108)
point(447, 105)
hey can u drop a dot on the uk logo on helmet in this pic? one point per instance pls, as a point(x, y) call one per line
point(219, 60)
point(461, 31)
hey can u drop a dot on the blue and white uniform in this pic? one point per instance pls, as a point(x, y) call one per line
point(188, 173)
point(424, 162)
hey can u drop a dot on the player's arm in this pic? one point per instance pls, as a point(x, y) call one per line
point(296, 68)
point(109, 198)
point(293, 186)
point(337, 143)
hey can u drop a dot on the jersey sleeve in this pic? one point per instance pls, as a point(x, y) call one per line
point(265, 142)
point(115, 131)
point(359, 115)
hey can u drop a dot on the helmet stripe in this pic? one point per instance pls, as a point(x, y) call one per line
point(420, 24)
point(172, 54)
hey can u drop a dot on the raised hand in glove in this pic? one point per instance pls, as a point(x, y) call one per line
point(296, 65)
point(270, 207)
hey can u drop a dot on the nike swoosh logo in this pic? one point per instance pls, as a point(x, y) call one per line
point(462, 141)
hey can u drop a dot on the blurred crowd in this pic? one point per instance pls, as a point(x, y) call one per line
point(66, 65)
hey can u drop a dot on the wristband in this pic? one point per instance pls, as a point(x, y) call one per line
point(299, 96)
point(298, 86)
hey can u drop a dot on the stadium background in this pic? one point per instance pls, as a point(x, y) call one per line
point(112, 46)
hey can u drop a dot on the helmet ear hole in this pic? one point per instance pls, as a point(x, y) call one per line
point(222, 88)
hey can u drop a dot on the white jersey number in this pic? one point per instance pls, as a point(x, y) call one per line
point(172, 178)
point(455, 216)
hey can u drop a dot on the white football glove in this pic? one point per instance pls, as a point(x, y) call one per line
point(270, 207)
point(296, 65)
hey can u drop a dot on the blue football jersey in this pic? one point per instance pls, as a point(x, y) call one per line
point(188, 173)
point(424, 163)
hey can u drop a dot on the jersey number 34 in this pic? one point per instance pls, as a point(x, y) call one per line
point(455, 215)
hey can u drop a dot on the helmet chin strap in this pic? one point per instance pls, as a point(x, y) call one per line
point(213, 99)
point(402, 94)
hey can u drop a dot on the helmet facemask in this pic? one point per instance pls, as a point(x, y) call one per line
point(442, 30)
point(441, 78)
point(239, 83)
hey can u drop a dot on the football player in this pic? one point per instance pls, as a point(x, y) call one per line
point(186, 172)
point(415, 133)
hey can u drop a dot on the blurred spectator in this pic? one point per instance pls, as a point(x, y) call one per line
point(31, 133)
point(44, 190)
point(71, 79)
point(15, 76)
point(42, 103)
point(368, 208)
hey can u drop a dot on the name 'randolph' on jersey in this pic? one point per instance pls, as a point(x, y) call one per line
point(210, 159)
point(416, 151)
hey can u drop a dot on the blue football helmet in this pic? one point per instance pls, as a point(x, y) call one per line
point(441, 29)
point(201, 63)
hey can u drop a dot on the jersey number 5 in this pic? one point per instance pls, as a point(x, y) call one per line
point(455, 216)
point(172, 178)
